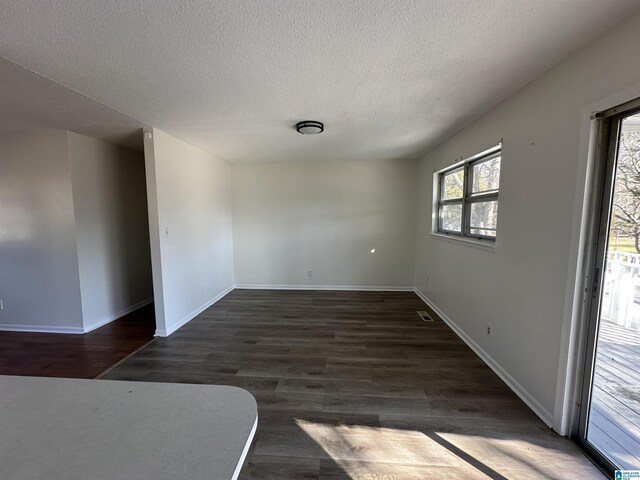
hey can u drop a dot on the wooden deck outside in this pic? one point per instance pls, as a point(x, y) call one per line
point(614, 425)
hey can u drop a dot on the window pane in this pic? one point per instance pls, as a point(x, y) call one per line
point(484, 218)
point(452, 217)
point(452, 185)
point(486, 176)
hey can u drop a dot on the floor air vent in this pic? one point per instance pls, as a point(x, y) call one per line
point(425, 316)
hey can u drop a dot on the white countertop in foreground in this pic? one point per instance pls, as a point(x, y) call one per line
point(66, 429)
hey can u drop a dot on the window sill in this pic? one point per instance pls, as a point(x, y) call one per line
point(470, 242)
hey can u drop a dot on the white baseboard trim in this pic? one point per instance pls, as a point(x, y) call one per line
point(512, 383)
point(249, 286)
point(172, 328)
point(72, 330)
point(119, 314)
point(5, 327)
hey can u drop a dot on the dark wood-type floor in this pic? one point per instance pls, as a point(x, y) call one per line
point(76, 356)
point(354, 385)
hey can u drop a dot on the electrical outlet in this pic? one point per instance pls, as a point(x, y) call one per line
point(488, 330)
point(310, 273)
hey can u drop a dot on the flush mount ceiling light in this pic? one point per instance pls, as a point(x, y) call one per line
point(310, 127)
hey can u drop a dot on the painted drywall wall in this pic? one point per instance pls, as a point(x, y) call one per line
point(291, 218)
point(521, 289)
point(189, 196)
point(112, 228)
point(39, 283)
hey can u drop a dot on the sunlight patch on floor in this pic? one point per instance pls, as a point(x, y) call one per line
point(499, 456)
point(371, 444)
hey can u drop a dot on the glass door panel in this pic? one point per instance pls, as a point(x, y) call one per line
point(612, 420)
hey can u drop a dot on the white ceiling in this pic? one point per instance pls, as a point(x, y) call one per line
point(389, 79)
point(30, 102)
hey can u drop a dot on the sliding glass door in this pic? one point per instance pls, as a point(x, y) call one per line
point(609, 425)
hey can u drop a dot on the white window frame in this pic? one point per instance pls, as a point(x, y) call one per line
point(467, 199)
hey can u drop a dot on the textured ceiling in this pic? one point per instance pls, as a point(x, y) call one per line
point(30, 102)
point(389, 78)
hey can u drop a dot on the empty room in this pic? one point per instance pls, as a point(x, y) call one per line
point(340, 239)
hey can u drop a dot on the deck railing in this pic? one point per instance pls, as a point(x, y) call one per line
point(621, 294)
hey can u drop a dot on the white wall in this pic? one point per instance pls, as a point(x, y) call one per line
point(524, 288)
point(289, 218)
point(39, 282)
point(112, 228)
point(189, 200)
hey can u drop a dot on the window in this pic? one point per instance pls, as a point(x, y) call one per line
point(468, 197)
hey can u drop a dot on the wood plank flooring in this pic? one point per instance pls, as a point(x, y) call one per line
point(614, 423)
point(76, 356)
point(354, 385)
